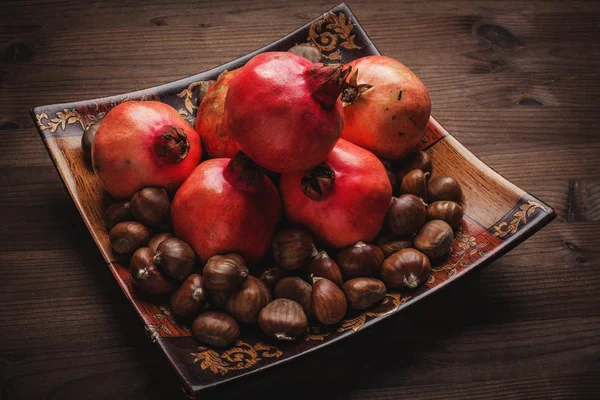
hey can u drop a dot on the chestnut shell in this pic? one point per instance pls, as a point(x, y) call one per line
point(360, 260)
point(362, 293)
point(329, 302)
point(128, 236)
point(325, 267)
point(406, 269)
point(447, 211)
point(405, 215)
point(189, 299)
point(282, 319)
point(444, 188)
point(296, 289)
point(216, 329)
point(434, 239)
point(245, 304)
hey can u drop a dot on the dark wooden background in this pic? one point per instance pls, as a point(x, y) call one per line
point(517, 82)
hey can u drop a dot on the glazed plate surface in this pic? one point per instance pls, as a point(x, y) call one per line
point(498, 214)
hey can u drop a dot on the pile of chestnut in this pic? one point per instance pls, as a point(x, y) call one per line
point(302, 282)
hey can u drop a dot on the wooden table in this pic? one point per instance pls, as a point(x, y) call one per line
point(512, 80)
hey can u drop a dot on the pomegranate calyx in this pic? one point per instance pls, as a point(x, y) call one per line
point(352, 90)
point(328, 82)
point(318, 182)
point(172, 145)
point(244, 174)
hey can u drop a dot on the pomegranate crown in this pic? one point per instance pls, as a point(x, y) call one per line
point(327, 82)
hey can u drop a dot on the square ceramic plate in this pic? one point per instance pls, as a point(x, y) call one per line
point(498, 214)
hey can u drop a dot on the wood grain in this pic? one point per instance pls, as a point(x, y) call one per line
point(524, 102)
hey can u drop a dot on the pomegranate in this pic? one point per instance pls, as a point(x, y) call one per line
point(144, 143)
point(343, 200)
point(386, 107)
point(227, 206)
point(284, 112)
point(216, 140)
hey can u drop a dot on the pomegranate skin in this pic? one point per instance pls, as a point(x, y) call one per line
point(128, 153)
point(388, 119)
point(217, 141)
point(352, 208)
point(216, 218)
point(274, 116)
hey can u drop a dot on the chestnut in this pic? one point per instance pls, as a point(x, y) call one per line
point(215, 328)
point(118, 211)
point(87, 139)
point(362, 293)
point(128, 236)
point(310, 52)
point(447, 211)
point(393, 246)
point(407, 268)
point(224, 273)
point(434, 239)
point(329, 302)
point(270, 276)
point(360, 260)
point(444, 188)
point(282, 319)
point(147, 277)
point(415, 182)
point(293, 248)
point(175, 257)
point(325, 267)
point(416, 160)
point(245, 304)
point(190, 297)
point(296, 289)
point(157, 239)
point(405, 215)
point(151, 206)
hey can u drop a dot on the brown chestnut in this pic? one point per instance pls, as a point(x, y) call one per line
point(447, 211)
point(393, 246)
point(190, 297)
point(360, 260)
point(128, 236)
point(217, 300)
point(416, 160)
point(325, 267)
point(151, 206)
point(296, 289)
point(415, 182)
point(405, 215)
point(444, 188)
point(270, 276)
point(175, 257)
point(434, 239)
point(87, 139)
point(282, 319)
point(118, 211)
point(224, 273)
point(407, 268)
point(157, 239)
point(216, 329)
point(329, 302)
point(310, 52)
point(246, 303)
point(147, 277)
point(293, 248)
point(362, 293)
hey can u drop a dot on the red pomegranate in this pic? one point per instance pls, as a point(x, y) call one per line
point(343, 200)
point(386, 107)
point(216, 140)
point(283, 111)
point(227, 206)
point(144, 143)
